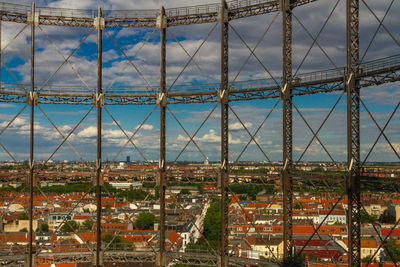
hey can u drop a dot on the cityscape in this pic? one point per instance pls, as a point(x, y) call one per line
point(65, 213)
point(199, 133)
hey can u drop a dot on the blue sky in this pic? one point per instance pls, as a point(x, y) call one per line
point(380, 100)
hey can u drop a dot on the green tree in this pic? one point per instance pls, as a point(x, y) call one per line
point(24, 230)
point(212, 222)
point(368, 259)
point(44, 227)
point(368, 218)
point(184, 191)
point(386, 217)
point(156, 193)
point(394, 250)
point(251, 191)
point(117, 243)
point(23, 216)
point(69, 226)
point(171, 206)
point(200, 188)
point(131, 195)
point(107, 238)
point(145, 221)
point(297, 261)
point(87, 225)
point(298, 206)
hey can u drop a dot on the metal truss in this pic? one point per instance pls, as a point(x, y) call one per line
point(348, 80)
point(141, 18)
point(287, 131)
point(380, 71)
point(195, 259)
point(353, 134)
point(108, 256)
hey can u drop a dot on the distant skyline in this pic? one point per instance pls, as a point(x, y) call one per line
point(380, 100)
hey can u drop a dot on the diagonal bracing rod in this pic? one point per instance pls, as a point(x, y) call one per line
point(191, 137)
point(253, 136)
point(191, 56)
point(66, 59)
point(128, 63)
point(126, 135)
point(3, 63)
point(376, 32)
point(320, 127)
point(133, 135)
point(381, 23)
point(315, 135)
point(252, 51)
point(380, 134)
point(255, 56)
point(315, 40)
point(248, 132)
point(130, 60)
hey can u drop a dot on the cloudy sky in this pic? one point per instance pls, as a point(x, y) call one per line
point(329, 52)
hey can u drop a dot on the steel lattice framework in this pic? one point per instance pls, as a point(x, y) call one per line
point(347, 80)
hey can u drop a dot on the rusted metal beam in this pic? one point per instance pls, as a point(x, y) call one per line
point(223, 97)
point(31, 102)
point(98, 103)
point(186, 15)
point(287, 129)
point(353, 133)
point(162, 104)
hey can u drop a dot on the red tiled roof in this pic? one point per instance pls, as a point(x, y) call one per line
point(396, 201)
point(324, 254)
point(386, 231)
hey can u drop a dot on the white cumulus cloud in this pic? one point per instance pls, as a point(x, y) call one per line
point(146, 127)
point(90, 131)
point(237, 126)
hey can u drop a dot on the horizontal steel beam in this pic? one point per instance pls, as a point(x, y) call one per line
point(198, 259)
point(141, 18)
point(385, 70)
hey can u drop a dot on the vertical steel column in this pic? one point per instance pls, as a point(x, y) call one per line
point(224, 133)
point(31, 136)
point(353, 134)
point(162, 163)
point(98, 160)
point(1, 51)
point(287, 128)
